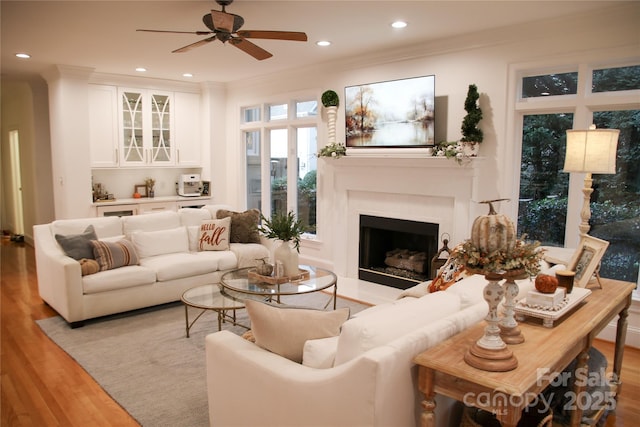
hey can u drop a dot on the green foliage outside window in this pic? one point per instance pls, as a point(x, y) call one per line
point(615, 202)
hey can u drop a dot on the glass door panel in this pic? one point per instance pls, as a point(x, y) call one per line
point(615, 204)
point(278, 170)
point(161, 128)
point(132, 127)
point(254, 179)
point(307, 146)
point(544, 188)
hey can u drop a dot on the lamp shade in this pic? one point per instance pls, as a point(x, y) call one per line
point(592, 150)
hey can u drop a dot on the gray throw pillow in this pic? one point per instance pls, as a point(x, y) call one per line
point(78, 246)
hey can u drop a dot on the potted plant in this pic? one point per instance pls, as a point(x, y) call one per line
point(330, 101)
point(472, 135)
point(286, 228)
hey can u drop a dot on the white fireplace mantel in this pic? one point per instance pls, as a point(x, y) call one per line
point(426, 189)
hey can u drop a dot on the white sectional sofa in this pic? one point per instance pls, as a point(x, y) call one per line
point(168, 262)
point(363, 377)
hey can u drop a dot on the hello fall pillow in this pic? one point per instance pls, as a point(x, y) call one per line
point(214, 235)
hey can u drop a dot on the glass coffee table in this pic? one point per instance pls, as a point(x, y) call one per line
point(209, 297)
point(238, 284)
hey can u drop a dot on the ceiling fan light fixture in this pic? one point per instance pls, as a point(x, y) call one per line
point(399, 24)
point(187, 75)
point(141, 69)
point(323, 43)
point(23, 55)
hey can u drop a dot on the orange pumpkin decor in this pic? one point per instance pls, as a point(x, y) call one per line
point(546, 284)
point(493, 232)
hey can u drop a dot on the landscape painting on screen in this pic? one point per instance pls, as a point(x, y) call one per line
point(397, 113)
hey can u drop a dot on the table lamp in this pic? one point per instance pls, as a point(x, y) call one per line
point(590, 151)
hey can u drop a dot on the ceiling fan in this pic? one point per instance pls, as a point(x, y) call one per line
point(226, 28)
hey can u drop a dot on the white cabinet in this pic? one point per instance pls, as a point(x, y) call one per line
point(187, 129)
point(103, 126)
point(146, 128)
point(117, 210)
point(146, 208)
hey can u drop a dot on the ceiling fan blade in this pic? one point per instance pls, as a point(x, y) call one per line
point(194, 45)
point(222, 21)
point(199, 33)
point(275, 35)
point(250, 48)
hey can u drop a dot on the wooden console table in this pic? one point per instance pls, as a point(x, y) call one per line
point(544, 354)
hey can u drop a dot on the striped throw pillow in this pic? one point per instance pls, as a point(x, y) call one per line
point(112, 255)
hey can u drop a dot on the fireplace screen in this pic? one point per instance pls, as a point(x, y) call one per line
point(396, 252)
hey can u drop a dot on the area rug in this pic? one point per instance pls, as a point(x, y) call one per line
point(144, 361)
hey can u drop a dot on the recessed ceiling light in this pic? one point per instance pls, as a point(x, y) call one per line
point(23, 55)
point(187, 75)
point(399, 24)
point(141, 69)
point(323, 43)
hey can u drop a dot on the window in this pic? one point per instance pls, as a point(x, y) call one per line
point(281, 159)
point(550, 85)
point(548, 197)
point(544, 188)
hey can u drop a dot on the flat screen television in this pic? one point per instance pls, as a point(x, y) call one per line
point(391, 114)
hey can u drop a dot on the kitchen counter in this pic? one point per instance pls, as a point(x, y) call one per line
point(159, 199)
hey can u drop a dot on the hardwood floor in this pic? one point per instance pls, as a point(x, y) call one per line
point(42, 386)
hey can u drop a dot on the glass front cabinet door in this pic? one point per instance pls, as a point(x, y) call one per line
point(146, 131)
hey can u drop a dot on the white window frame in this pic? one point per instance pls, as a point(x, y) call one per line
point(291, 124)
point(582, 106)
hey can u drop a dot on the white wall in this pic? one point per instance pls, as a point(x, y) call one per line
point(24, 108)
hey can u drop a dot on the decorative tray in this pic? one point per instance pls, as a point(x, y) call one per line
point(549, 315)
point(302, 275)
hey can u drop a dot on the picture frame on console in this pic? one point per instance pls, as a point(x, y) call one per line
point(586, 259)
point(391, 114)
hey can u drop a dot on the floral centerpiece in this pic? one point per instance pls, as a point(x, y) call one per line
point(334, 149)
point(525, 257)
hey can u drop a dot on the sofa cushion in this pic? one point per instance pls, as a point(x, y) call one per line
point(470, 290)
point(110, 255)
point(214, 235)
point(181, 264)
point(223, 260)
point(193, 216)
point(247, 254)
point(119, 278)
point(244, 225)
point(381, 326)
point(78, 246)
point(150, 222)
point(106, 226)
point(284, 330)
point(167, 241)
point(320, 353)
point(213, 209)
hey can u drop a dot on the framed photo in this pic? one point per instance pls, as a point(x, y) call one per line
point(391, 114)
point(586, 259)
point(141, 190)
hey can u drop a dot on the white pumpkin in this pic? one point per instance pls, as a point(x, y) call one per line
point(493, 232)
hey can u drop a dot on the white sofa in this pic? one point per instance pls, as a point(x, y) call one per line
point(169, 263)
point(363, 377)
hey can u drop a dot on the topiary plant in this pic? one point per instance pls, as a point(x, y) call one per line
point(330, 99)
point(470, 130)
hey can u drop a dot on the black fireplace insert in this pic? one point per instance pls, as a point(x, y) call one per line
point(396, 252)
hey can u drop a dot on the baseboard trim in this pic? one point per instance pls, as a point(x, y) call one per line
point(609, 334)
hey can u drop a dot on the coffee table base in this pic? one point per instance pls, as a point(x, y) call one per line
point(222, 317)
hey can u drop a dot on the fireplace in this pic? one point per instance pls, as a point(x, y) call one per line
point(396, 252)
